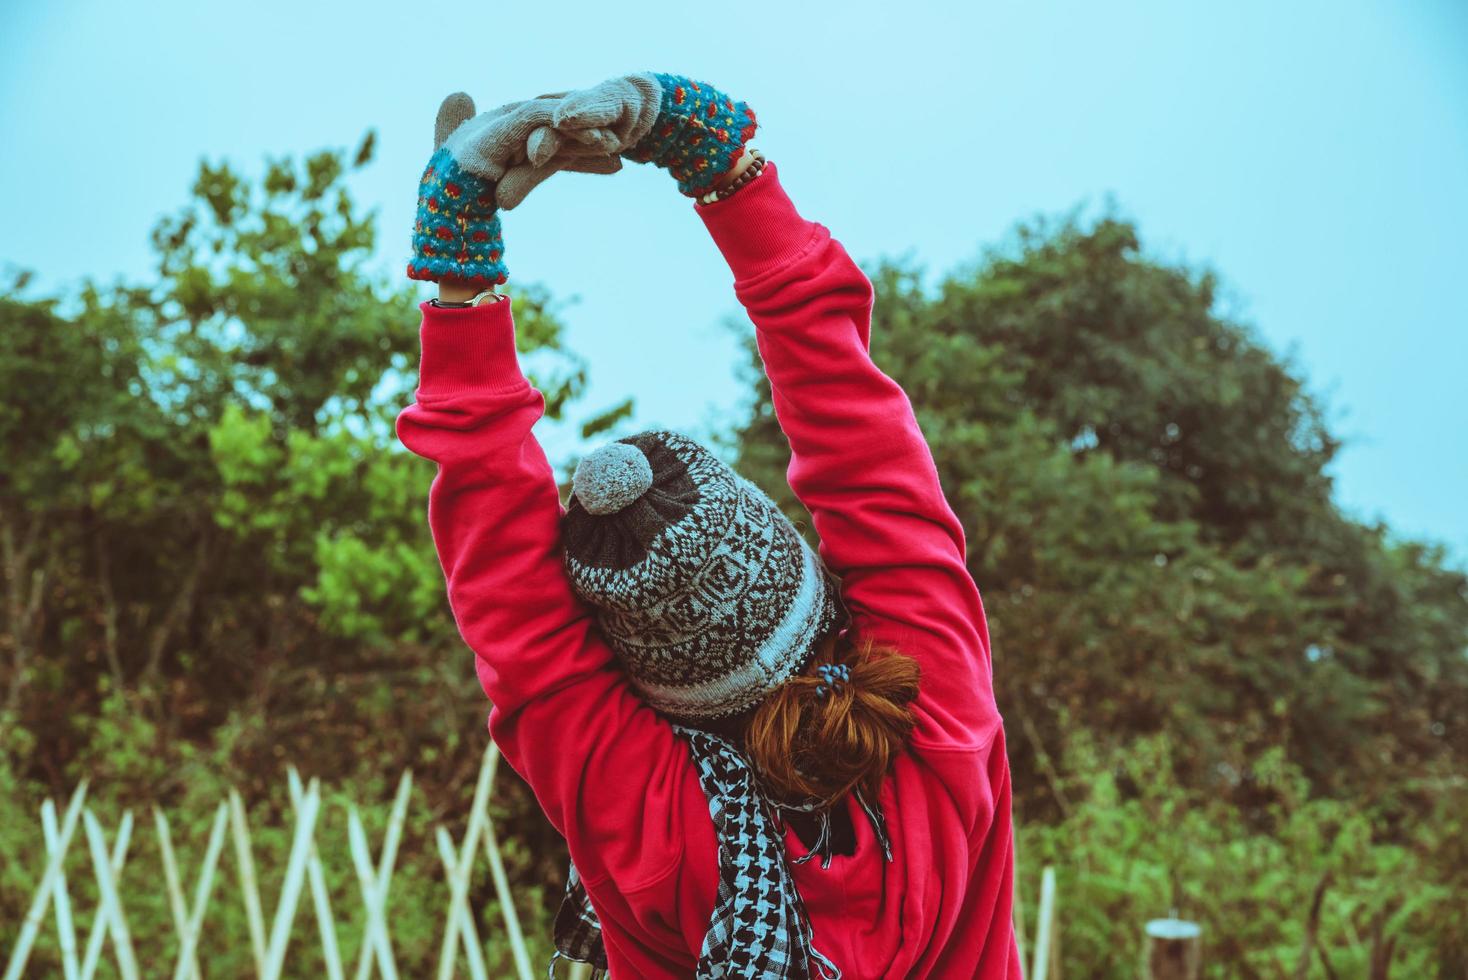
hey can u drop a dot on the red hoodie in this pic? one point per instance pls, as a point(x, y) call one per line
point(608, 770)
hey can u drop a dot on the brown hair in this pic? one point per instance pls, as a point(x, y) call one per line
point(806, 744)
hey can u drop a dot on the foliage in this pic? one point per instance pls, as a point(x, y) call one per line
point(1144, 491)
point(1138, 844)
point(418, 898)
point(214, 549)
point(1221, 694)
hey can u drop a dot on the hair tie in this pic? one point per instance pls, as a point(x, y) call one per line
point(834, 677)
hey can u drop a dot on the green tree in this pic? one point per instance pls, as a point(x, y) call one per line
point(1222, 694)
point(1144, 490)
point(215, 553)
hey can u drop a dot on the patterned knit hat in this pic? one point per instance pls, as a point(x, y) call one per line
point(705, 590)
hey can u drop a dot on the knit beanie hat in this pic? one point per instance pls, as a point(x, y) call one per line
point(704, 589)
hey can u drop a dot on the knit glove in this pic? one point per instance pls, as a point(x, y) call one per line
point(520, 158)
point(689, 128)
point(478, 166)
point(538, 158)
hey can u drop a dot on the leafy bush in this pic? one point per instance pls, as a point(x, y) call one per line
point(1222, 694)
point(1136, 844)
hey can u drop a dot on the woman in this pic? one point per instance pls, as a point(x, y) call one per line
point(765, 761)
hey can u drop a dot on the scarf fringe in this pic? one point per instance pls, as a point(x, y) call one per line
point(824, 840)
point(823, 843)
point(824, 967)
point(879, 824)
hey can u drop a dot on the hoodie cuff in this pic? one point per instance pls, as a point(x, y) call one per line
point(758, 229)
point(472, 348)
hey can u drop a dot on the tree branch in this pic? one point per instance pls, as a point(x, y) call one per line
point(179, 609)
point(1312, 928)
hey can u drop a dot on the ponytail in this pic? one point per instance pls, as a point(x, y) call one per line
point(812, 739)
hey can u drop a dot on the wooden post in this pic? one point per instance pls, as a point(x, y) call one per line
point(1044, 926)
point(1173, 950)
point(1055, 942)
point(1019, 904)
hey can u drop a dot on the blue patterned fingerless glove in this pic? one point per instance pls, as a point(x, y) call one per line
point(457, 232)
point(698, 135)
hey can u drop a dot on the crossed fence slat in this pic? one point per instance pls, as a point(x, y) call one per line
point(99, 921)
point(35, 915)
point(320, 896)
point(449, 855)
point(67, 940)
point(190, 923)
point(111, 902)
point(304, 870)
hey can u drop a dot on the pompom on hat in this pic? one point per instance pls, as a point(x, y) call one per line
point(707, 593)
point(612, 478)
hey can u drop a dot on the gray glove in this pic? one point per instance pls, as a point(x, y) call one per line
point(689, 128)
point(496, 145)
point(611, 117)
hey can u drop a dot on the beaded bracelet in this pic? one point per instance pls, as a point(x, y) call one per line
point(747, 177)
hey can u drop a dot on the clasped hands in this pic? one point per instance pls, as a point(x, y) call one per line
point(491, 161)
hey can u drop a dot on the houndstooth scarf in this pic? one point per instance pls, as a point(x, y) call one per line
point(759, 926)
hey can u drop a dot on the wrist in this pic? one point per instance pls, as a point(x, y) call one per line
point(456, 290)
point(745, 161)
point(748, 169)
point(699, 133)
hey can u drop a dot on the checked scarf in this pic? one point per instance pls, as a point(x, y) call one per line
point(759, 927)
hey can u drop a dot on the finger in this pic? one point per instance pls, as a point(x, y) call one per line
point(596, 139)
point(494, 141)
point(452, 113)
point(507, 107)
point(600, 164)
point(515, 127)
point(542, 144)
point(588, 108)
point(517, 184)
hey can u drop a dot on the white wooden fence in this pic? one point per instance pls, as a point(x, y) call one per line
point(460, 942)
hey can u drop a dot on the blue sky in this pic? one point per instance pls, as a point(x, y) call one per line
point(1314, 153)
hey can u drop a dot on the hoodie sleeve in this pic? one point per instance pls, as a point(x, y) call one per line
point(609, 772)
point(859, 462)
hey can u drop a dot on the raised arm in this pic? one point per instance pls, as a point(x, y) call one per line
point(608, 771)
point(859, 462)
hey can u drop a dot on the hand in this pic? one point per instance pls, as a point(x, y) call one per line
point(509, 146)
point(522, 178)
point(479, 165)
point(688, 128)
point(611, 117)
point(456, 233)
